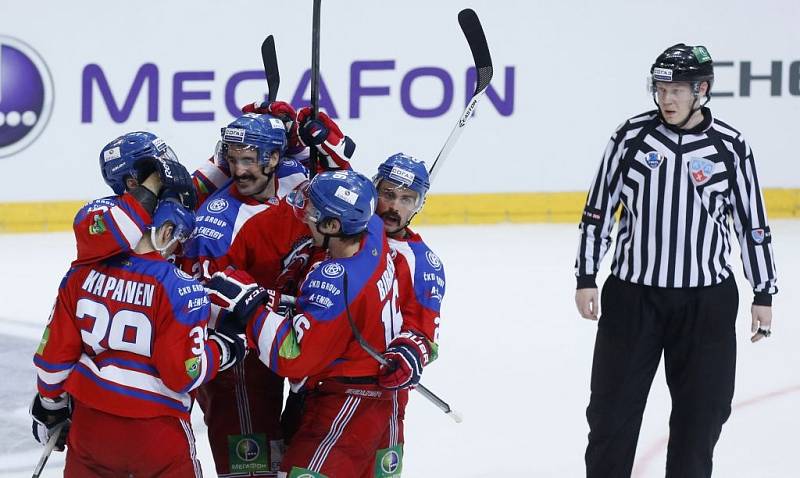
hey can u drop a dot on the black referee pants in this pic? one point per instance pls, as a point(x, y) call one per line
point(694, 327)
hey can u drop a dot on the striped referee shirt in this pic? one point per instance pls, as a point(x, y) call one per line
point(677, 189)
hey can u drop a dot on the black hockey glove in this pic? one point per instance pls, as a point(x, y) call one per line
point(232, 347)
point(48, 414)
point(173, 174)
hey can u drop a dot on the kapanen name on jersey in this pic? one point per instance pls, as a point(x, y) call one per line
point(128, 291)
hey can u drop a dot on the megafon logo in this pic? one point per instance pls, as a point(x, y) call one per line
point(26, 95)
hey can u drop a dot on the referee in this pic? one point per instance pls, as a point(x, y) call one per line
point(679, 174)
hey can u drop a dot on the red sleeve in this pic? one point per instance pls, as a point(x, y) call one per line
point(107, 227)
point(182, 355)
point(207, 179)
point(60, 347)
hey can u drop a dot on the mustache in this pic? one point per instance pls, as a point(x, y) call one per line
point(391, 215)
point(245, 177)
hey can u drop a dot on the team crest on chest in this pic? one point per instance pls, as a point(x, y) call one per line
point(653, 159)
point(701, 170)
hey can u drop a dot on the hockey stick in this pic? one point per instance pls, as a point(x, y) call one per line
point(379, 358)
point(270, 59)
point(473, 31)
point(312, 158)
point(48, 448)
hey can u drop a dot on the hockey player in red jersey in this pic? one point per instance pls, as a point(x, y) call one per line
point(346, 412)
point(245, 224)
point(402, 183)
point(125, 345)
point(137, 166)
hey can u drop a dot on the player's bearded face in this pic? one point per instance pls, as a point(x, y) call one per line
point(247, 174)
point(396, 205)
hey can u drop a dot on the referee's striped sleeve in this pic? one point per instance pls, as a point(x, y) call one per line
point(750, 222)
point(598, 215)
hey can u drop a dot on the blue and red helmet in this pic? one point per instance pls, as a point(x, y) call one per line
point(118, 157)
point(345, 195)
point(264, 133)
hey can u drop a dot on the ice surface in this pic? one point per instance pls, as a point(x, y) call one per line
point(515, 361)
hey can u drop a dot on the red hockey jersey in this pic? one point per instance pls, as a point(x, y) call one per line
point(318, 341)
point(127, 336)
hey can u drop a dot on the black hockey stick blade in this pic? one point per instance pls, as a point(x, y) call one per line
point(270, 59)
point(473, 31)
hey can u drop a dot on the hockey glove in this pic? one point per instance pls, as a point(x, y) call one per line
point(237, 292)
point(406, 355)
point(284, 112)
point(172, 173)
point(47, 414)
point(232, 347)
point(324, 134)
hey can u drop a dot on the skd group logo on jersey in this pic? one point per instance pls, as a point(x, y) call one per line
point(333, 270)
point(433, 260)
point(26, 95)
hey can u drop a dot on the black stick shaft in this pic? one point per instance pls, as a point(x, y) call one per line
point(315, 27)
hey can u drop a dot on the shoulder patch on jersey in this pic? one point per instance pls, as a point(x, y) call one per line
point(217, 205)
point(760, 236)
point(98, 226)
point(333, 270)
point(433, 260)
point(182, 275)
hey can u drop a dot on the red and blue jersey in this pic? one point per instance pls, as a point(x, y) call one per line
point(127, 336)
point(230, 230)
point(318, 341)
point(107, 226)
point(420, 274)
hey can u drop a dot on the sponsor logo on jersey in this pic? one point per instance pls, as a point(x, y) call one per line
point(662, 74)
point(701, 170)
point(45, 339)
point(273, 201)
point(233, 134)
point(276, 123)
point(333, 270)
point(389, 462)
point(111, 154)
point(98, 226)
point(654, 159)
point(181, 274)
point(192, 367)
point(758, 235)
point(218, 205)
point(433, 260)
point(26, 95)
point(247, 452)
point(346, 195)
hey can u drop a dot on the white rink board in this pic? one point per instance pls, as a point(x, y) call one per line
point(579, 69)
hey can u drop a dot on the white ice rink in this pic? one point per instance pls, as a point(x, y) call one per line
point(515, 361)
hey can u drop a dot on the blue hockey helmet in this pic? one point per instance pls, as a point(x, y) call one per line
point(264, 133)
point(118, 157)
point(344, 195)
point(405, 171)
point(171, 211)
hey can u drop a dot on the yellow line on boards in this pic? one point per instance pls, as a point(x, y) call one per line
point(489, 208)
